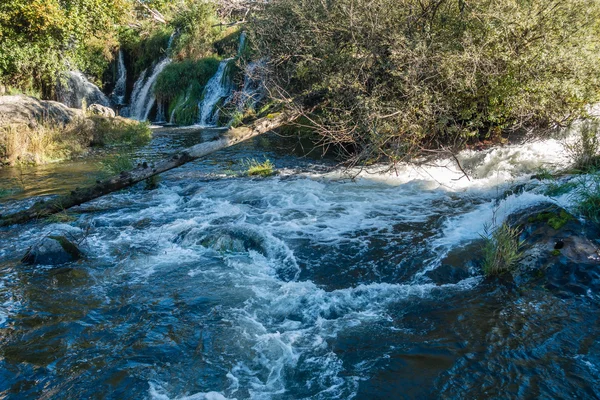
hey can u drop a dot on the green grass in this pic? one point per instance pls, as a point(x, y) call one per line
point(120, 131)
point(255, 168)
point(501, 250)
point(555, 189)
point(116, 164)
point(587, 196)
point(61, 218)
point(585, 151)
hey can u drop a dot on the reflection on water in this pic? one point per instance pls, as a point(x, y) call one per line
point(298, 286)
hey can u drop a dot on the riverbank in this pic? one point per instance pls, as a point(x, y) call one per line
point(34, 131)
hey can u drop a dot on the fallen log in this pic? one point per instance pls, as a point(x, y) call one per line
point(43, 209)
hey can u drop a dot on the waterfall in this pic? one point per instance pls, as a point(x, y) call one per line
point(77, 89)
point(252, 91)
point(217, 88)
point(118, 95)
point(160, 112)
point(142, 98)
point(143, 101)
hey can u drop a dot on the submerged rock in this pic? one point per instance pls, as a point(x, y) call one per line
point(52, 250)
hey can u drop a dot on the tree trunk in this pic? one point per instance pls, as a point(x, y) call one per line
point(42, 208)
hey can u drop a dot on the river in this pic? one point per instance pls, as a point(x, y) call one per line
point(318, 283)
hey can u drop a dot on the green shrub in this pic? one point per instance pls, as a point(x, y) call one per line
point(120, 131)
point(395, 76)
point(501, 249)
point(177, 77)
point(195, 23)
point(145, 45)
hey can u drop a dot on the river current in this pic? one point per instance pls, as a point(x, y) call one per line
point(317, 283)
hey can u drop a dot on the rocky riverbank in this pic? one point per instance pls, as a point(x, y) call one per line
point(34, 131)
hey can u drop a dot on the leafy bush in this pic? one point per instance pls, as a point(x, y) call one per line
point(397, 76)
point(120, 131)
point(195, 24)
point(145, 45)
point(501, 249)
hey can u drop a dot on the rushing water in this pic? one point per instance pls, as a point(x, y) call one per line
point(307, 285)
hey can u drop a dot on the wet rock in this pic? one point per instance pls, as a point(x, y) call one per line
point(103, 111)
point(52, 250)
point(559, 250)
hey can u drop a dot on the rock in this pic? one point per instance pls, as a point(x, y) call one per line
point(25, 110)
point(98, 109)
point(52, 250)
point(74, 89)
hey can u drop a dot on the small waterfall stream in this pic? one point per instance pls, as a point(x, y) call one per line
point(118, 94)
point(142, 97)
point(216, 89)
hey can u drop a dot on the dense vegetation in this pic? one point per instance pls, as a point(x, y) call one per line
point(400, 76)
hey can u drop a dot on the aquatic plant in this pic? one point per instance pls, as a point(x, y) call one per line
point(255, 168)
point(501, 249)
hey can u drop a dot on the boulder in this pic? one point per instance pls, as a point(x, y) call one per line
point(26, 110)
point(52, 250)
point(103, 111)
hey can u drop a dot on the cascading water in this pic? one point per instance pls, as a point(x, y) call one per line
point(216, 89)
point(142, 97)
point(118, 94)
point(143, 101)
point(77, 89)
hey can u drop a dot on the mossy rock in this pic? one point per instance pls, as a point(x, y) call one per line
point(555, 219)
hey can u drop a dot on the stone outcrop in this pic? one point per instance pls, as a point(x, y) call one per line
point(26, 110)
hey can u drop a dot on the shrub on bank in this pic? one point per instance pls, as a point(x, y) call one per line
point(397, 76)
point(177, 77)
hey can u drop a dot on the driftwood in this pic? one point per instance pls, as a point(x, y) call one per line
point(42, 209)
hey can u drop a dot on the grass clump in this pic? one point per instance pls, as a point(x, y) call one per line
point(120, 131)
point(255, 168)
point(116, 164)
point(501, 249)
point(585, 150)
point(61, 218)
point(587, 197)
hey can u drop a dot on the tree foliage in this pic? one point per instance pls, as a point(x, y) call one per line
point(399, 76)
point(42, 37)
